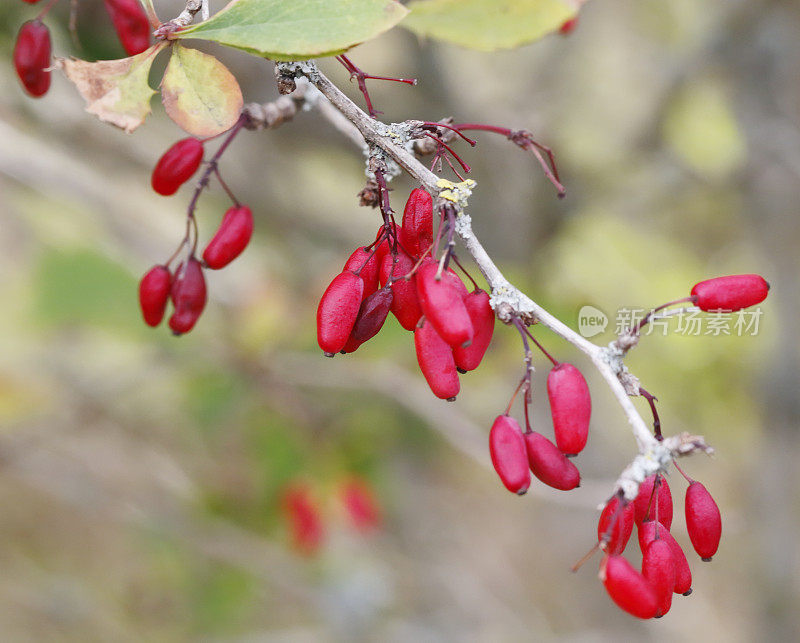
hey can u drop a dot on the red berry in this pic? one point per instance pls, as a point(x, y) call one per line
point(416, 235)
point(405, 303)
point(305, 519)
point(188, 295)
point(435, 358)
point(628, 588)
point(645, 500)
point(683, 575)
point(658, 567)
point(570, 406)
point(368, 263)
point(153, 294)
point(509, 454)
point(550, 465)
point(730, 293)
point(371, 316)
point(482, 316)
point(337, 311)
point(360, 504)
point(703, 521)
point(620, 533)
point(568, 27)
point(32, 57)
point(442, 303)
point(177, 166)
point(131, 24)
point(231, 238)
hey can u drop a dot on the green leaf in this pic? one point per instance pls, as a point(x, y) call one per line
point(116, 91)
point(297, 29)
point(487, 25)
point(199, 93)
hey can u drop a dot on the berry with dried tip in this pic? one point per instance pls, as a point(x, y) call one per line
point(177, 165)
point(369, 264)
point(154, 293)
point(188, 295)
point(628, 588)
point(131, 23)
point(509, 454)
point(613, 540)
point(730, 293)
point(405, 303)
point(231, 238)
point(435, 359)
point(645, 501)
point(683, 574)
point(32, 57)
point(658, 567)
point(703, 521)
point(416, 234)
point(337, 311)
point(442, 302)
point(570, 407)
point(482, 316)
point(550, 465)
point(371, 316)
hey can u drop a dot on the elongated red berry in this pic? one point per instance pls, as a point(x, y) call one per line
point(658, 567)
point(645, 502)
point(366, 264)
point(550, 465)
point(416, 234)
point(683, 574)
point(337, 311)
point(188, 295)
point(177, 165)
point(615, 526)
point(360, 504)
point(230, 239)
point(371, 316)
point(482, 316)
point(442, 302)
point(509, 454)
point(405, 303)
point(306, 529)
point(703, 520)
point(131, 24)
point(628, 588)
point(730, 293)
point(435, 359)
point(32, 57)
point(154, 293)
point(570, 406)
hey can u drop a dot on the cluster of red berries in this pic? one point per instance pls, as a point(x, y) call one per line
point(186, 286)
point(33, 47)
point(398, 273)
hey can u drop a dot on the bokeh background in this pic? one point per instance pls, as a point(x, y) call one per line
point(141, 476)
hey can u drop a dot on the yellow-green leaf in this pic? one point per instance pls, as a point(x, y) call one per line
point(199, 93)
point(297, 29)
point(116, 91)
point(487, 25)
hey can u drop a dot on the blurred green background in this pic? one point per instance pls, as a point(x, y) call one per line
point(141, 475)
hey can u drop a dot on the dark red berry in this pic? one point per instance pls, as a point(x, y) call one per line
point(613, 540)
point(405, 303)
point(371, 316)
point(177, 165)
point(730, 293)
point(337, 311)
point(231, 238)
point(550, 465)
point(435, 359)
point(509, 454)
point(683, 574)
point(32, 57)
point(658, 567)
point(442, 302)
point(703, 521)
point(368, 263)
point(306, 529)
point(154, 293)
point(188, 295)
point(568, 26)
point(628, 588)
point(645, 501)
point(131, 24)
point(570, 406)
point(416, 234)
point(482, 316)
